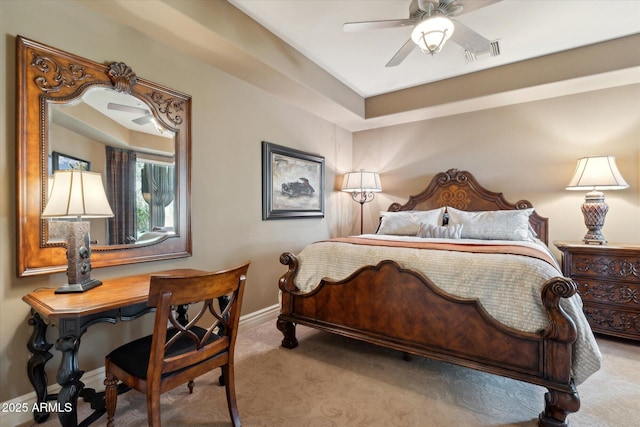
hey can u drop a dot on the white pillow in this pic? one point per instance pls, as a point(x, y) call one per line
point(444, 232)
point(493, 225)
point(406, 223)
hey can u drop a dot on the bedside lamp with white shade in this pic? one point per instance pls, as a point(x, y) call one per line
point(77, 194)
point(595, 174)
point(361, 185)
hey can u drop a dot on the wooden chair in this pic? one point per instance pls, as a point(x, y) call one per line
point(178, 351)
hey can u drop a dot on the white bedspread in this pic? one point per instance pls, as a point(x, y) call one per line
point(508, 286)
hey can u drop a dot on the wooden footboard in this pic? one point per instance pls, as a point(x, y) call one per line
point(402, 309)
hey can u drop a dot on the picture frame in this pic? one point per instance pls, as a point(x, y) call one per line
point(60, 161)
point(292, 183)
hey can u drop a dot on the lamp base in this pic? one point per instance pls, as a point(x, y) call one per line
point(74, 288)
point(594, 210)
point(594, 240)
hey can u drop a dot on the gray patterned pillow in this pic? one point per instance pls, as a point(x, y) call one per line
point(406, 223)
point(444, 232)
point(493, 225)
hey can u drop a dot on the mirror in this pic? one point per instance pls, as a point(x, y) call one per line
point(100, 128)
point(77, 114)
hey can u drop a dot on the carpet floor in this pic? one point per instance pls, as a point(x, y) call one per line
point(331, 381)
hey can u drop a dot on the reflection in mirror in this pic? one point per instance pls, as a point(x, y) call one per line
point(115, 134)
point(77, 113)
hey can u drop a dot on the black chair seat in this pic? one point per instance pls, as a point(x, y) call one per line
point(133, 357)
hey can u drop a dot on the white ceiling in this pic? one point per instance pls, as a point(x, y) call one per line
point(100, 98)
point(91, 116)
point(524, 28)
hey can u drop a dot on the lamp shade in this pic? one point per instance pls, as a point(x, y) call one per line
point(362, 181)
point(597, 173)
point(432, 33)
point(77, 194)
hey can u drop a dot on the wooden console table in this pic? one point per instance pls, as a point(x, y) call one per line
point(118, 299)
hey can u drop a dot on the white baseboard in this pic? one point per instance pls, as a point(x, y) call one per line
point(257, 317)
point(18, 411)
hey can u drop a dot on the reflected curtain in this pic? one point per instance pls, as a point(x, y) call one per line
point(121, 192)
point(158, 191)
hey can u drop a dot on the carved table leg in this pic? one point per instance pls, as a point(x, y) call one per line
point(183, 316)
point(69, 378)
point(223, 301)
point(288, 329)
point(558, 405)
point(40, 355)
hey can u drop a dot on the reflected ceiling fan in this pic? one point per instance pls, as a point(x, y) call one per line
point(144, 119)
point(433, 27)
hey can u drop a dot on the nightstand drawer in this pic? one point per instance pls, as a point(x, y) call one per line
point(610, 293)
point(611, 321)
point(605, 267)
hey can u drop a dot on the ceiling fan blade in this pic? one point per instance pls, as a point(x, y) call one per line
point(142, 120)
point(374, 25)
point(127, 108)
point(400, 55)
point(469, 39)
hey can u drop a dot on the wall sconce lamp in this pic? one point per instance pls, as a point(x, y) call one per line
point(77, 194)
point(361, 185)
point(594, 174)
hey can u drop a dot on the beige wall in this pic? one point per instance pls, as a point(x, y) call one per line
point(527, 151)
point(230, 119)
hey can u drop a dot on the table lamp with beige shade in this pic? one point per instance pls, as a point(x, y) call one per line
point(77, 194)
point(594, 174)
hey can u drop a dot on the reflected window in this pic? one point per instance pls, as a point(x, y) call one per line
point(155, 194)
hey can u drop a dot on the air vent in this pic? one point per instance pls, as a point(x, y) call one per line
point(494, 50)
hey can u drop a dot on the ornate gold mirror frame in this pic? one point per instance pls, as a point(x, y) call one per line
point(49, 77)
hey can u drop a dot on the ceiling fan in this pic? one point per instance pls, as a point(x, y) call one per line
point(425, 14)
point(146, 114)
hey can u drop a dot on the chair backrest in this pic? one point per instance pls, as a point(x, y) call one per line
point(210, 332)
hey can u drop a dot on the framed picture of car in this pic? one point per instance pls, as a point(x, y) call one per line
point(292, 183)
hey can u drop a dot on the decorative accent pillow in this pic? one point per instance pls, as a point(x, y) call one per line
point(493, 225)
point(406, 223)
point(444, 232)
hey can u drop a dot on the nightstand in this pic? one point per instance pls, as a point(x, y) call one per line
point(608, 278)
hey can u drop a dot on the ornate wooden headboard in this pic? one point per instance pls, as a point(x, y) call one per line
point(459, 189)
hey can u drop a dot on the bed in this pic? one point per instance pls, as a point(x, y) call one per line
point(459, 296)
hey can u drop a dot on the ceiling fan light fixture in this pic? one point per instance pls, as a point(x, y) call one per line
point(431, 34)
